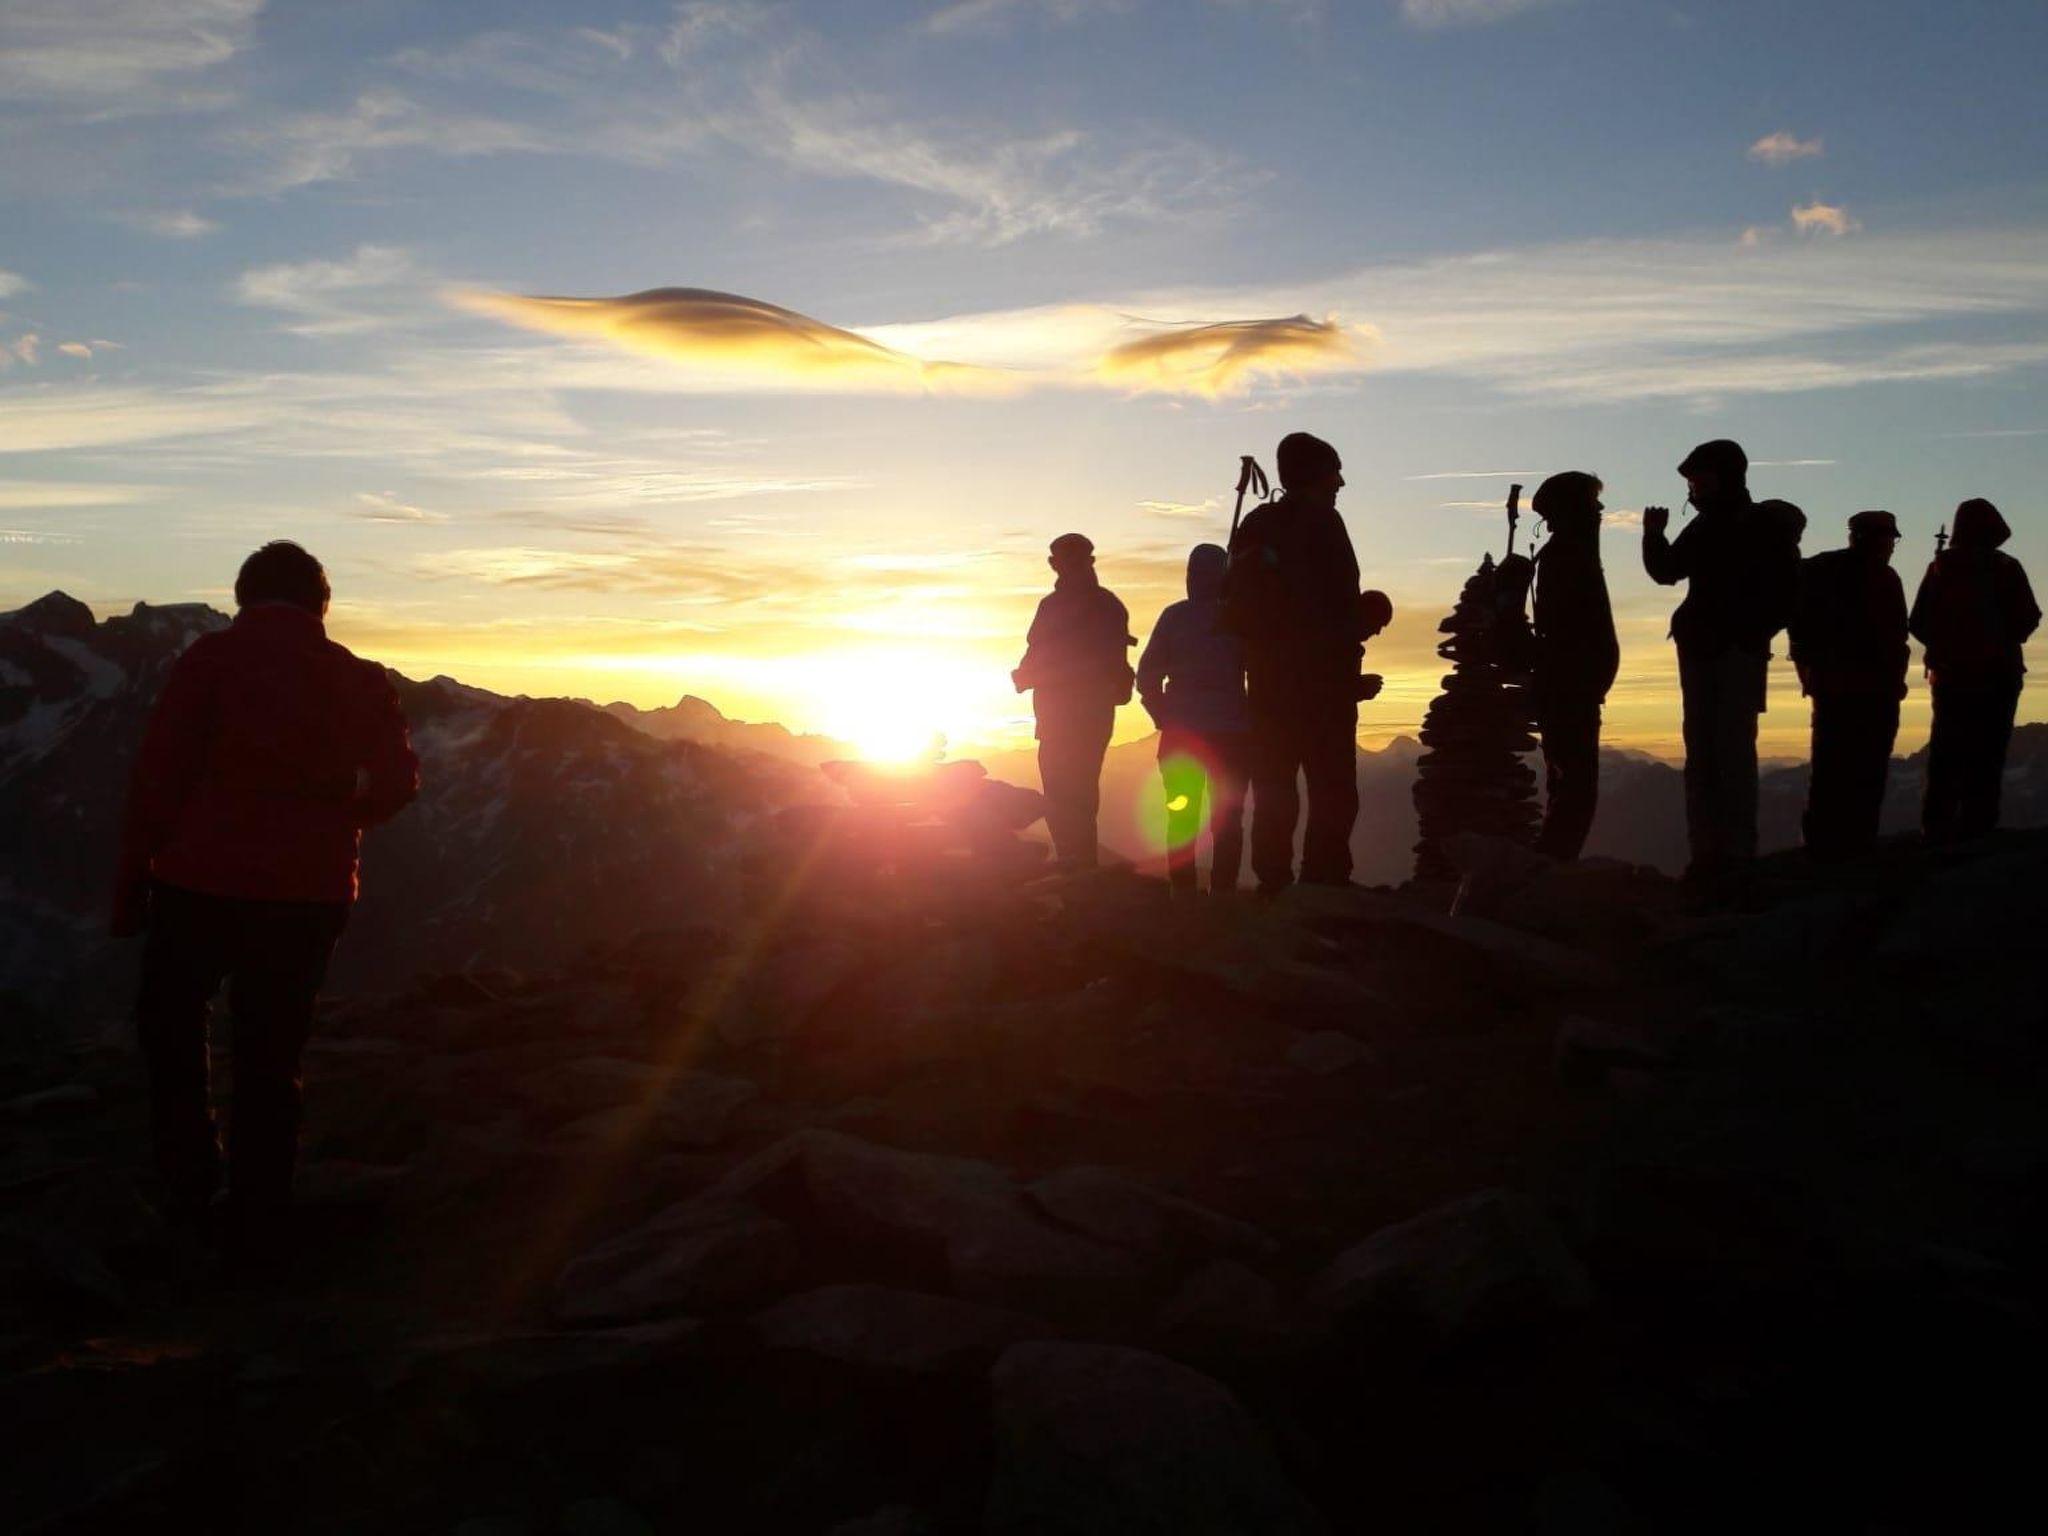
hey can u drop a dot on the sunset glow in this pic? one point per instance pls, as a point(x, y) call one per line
point(756, 352)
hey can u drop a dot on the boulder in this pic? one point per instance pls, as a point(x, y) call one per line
point(1588, 1049)
point(1326, 1052)
point(1099, 1440)
point(1223, 1310)
point(1114, 1208)
point(695, 1257)
point(965, 1219)
point(1488, 1260)
point(878, 1328)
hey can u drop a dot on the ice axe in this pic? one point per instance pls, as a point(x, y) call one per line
point(1940, 539)
point(1514, 515)
point(1249, 478)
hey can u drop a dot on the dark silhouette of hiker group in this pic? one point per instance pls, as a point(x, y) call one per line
point(1255, 679)
point(272, 748)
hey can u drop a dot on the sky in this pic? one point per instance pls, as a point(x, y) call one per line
point(932, 283)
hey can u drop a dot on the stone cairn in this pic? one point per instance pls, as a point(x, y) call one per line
point(1472, 777)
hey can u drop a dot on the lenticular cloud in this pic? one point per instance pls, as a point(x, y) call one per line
point(726, 337)
point(1219, 356)
point(724, 333)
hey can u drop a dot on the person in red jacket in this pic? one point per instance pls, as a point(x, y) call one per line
point(269, 751)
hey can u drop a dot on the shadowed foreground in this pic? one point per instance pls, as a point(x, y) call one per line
point(1058, 1208)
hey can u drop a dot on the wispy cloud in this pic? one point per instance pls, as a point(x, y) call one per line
point(1818, 218)
point(171, 224)
point(40, 495)
point(333, 298)
point(384, 507)
point(301, 149)
point(1431, 14)
point(99, 418)
point(12, 283)
point(1222, 355)
point(1783, 148)
point(989, 15)
point(755, 80)
point(118, 55)
point(1197, 509)
point(1473, 474)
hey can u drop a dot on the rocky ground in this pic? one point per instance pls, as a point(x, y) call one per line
point(885, 1205)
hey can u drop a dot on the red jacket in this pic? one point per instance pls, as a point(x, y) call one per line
point(268, 752)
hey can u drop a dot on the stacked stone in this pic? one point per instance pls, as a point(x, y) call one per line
point(1473, 777)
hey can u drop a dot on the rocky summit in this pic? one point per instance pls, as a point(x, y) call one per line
point(703, 1141)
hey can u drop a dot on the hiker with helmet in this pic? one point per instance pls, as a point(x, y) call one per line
point(1848, 635)
point(1577, 656)
point(1973, 613)
point(1292, 595)
point(1739, 559)
point(1077, 673)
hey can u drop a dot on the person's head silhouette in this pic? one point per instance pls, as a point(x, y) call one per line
point(1310, 471)
point(1714, 471)
point(1072, 554)
point(282, 572)
point(1569, 502)
point(1875, 534)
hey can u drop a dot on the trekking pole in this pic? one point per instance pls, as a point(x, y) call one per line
point(1514, 516)
point(1249, 478)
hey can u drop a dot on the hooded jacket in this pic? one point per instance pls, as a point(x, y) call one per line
point(1740, 561)
point(1074, 655)
point(1975, 607)
point(269, 751)
point(1291, 594)
point(1191, 675)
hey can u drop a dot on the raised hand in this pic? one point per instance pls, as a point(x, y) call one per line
point(1656, 519)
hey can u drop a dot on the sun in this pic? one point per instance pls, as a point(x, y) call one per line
point(900, 704)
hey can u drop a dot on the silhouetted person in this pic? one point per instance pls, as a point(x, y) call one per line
point(1075, 669)
point(1191, 678)
point(1577, 656)
point(1973, 613)
point(1740, 561)
point(269, 751)
point(1292, 594)
point(1848, 636)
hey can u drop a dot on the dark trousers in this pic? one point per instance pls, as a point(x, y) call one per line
point(273, 956)
point(1571, 774)
point(1320, 745)
point(1966, 756)
point(1198, 768)
point(1070, 754)
point(1723, 692)
point(1851, 758)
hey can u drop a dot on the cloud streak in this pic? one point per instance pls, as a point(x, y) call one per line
point(1431, 15)
point(116, 55)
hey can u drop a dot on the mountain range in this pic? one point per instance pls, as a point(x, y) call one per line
point(547, 824)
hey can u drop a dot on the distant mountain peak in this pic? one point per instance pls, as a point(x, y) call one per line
point(54, 613)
